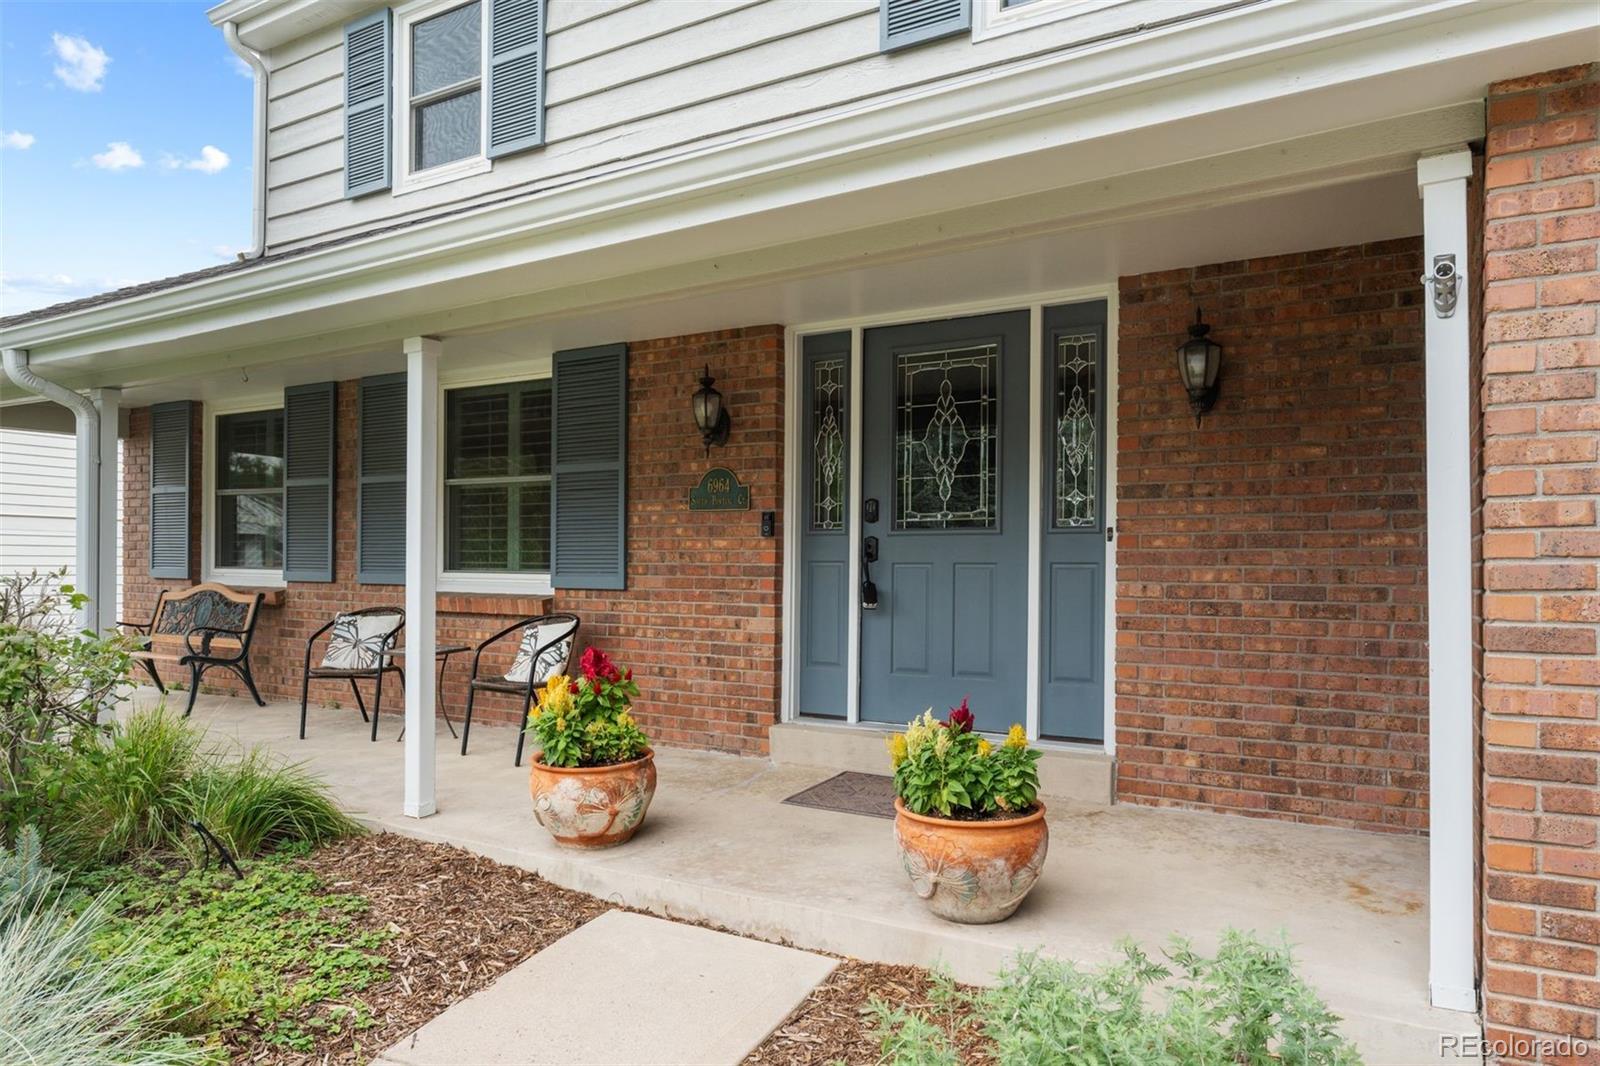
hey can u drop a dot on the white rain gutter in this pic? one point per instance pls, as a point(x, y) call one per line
point(258, 213)
point(87, 416)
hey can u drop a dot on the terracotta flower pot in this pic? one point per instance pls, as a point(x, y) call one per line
point(971, 872)
point(592, 806)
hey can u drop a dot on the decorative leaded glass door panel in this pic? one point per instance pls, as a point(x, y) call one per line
point(1072, 659)
point(825, 542)
point(945, 457)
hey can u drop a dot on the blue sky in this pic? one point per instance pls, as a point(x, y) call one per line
point(124, 146)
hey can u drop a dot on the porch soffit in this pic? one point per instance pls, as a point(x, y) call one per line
point(526, 249)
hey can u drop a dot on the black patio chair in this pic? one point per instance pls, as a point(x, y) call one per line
point(545, 649)
point(356, 649)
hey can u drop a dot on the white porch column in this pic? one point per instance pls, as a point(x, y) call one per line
point(422, 499)
point(1442, 182)
point(107, 405)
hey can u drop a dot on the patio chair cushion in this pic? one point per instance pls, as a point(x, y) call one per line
point(553, 660)
point(357, 639)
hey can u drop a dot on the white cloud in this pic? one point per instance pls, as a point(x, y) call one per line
point(118, 156)
point(227, 252)
point(241, 68)
point(17, 139)
point(210, 161)
point(82, 66)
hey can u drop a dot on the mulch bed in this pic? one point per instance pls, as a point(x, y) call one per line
point(833, 1024)
point(459, 921)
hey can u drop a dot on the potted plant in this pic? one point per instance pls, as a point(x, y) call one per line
point(968, 819)
point(594, 775)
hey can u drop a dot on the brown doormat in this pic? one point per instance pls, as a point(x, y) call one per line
point(851, 792)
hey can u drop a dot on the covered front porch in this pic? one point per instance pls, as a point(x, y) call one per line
point(720, 846)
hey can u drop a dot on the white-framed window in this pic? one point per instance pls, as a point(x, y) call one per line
point(496, 473)
point(441, 117)
point(243, 484)
point(995, 18)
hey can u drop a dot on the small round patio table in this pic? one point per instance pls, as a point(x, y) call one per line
point(441, 655)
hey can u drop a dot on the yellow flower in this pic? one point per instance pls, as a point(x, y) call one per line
point(941, 743)
point(897, 749)
point(624, 719)
point(561, 725)
point(533, 712)
point(1017, 737)
point(984, 747)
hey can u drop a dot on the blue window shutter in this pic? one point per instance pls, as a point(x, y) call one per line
point(381, 482)
point(588, 499)
point(368, 97)
point(310, 418)
point(516, 76)
point(171, 439)
point(902, 23)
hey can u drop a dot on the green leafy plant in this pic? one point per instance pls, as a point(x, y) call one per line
point(587, 722)
point(54, 679)
point(274, 958)
point(63, 999)
point(946, 768)
point(1243, 1006)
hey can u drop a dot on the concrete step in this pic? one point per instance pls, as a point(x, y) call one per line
point(1081, 776)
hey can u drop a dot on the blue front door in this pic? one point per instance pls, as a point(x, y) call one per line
point(945, 416)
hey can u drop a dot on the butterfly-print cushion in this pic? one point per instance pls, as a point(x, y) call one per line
point(357, 639)
point(553, 660)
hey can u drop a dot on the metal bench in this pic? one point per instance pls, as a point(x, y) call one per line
point(199, 628)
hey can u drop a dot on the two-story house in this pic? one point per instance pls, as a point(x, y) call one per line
point(937, 259)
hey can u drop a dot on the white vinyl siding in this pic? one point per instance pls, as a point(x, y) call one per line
point(38, 499)
point(628, 82)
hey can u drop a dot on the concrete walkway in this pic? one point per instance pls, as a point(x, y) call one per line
point(719, 845)
point(624, 990)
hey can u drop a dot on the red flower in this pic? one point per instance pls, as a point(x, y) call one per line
point(960, 718)
point(596, 664)
point(572, 687)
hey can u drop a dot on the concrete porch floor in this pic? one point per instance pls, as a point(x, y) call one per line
point(719, 845)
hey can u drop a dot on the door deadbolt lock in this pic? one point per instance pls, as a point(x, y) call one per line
point(1444, 282)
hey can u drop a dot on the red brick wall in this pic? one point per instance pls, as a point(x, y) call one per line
point(699, 621)
point(1271, 628)
point(1541, 484)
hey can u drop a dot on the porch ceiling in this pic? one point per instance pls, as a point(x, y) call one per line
point(823, 281)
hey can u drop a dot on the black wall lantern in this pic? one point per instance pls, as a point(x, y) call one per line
point(1199, 360)
point(709, 414)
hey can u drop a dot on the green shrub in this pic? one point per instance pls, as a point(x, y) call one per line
point(53, 681)
point(1244, 1006)
point(139, 794)
point(255, 803)
point(128, 797)
point(63, 1002)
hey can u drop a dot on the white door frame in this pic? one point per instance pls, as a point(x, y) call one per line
point(794, 493)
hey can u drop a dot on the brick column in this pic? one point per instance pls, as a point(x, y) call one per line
point(1541, 482)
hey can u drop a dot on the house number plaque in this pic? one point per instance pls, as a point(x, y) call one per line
point(719, 490)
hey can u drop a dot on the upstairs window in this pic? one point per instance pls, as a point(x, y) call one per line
point(250, 491)
point(441, 125)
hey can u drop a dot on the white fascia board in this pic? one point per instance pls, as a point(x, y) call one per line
point(1216, 68)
